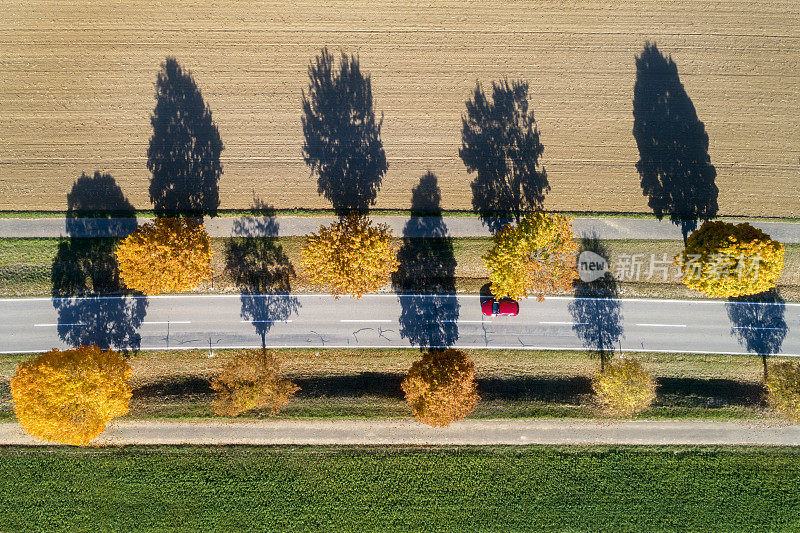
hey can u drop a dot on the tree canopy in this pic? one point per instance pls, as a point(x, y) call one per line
point(783, 389)
point(69, 396)
point(536, 256)
point(500, 142)
point(624, 387)
point(725, 260)
point(166, 255)
point(441, 387)
point(250, 381)
point(342, 136)
point(352, 256)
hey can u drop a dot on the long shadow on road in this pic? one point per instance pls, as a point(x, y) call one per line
point(758, 323)
point(261, 269)
point(85, 270)
point(427, 267)
point(596, 311)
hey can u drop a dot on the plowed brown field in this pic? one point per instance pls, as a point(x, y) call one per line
point(77, 89)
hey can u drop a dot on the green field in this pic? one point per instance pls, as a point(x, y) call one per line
point(391, 489)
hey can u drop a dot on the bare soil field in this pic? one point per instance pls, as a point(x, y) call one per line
point(77, 90)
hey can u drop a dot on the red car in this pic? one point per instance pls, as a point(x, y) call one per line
point(502, 307)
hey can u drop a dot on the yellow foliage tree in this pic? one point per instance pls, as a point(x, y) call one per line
point(441, 387)
point(166, 255)
point(251, 381)
point(352, 256)
point(783, 389)
point(727, 260)
point(624, 388)
point(69, 396)
point(536, 256)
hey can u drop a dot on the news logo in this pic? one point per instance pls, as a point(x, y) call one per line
point(591, 266)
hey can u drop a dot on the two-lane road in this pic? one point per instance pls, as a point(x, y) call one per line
point(388, 320)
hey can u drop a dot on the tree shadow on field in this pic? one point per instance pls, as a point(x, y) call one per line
point(596, 310)
point(500, 143)
point(425, 278)
point(171, 387)
point(708, 393)
point(93, 305)
point(676, 171)
point(261, 269)
point(758, 323)
point(570, 390)
point(342, 136)
point(184, 152)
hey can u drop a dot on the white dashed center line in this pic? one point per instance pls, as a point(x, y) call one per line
point(754, 327)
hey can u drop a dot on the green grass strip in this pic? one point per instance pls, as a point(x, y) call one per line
point(392, 489)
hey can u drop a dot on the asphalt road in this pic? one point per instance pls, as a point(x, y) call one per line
point(291, 226)
point(388, 320)
point(464, 432)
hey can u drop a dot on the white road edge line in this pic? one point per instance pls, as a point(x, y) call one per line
point(663, 325)
point(388, 295)
point(263, 321)
point(385, 346)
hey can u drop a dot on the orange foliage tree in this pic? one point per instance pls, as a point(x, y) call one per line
point(783, 389)
point(251, 381)
point(536, 256)
point(69, 396)
point(166, 255)
point(726, 260)
point(441, 387)
point(624, 387)
point(352, 256)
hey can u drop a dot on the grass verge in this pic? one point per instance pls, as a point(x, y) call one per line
point(401, 489)
point(26, 266)
point(352, 384)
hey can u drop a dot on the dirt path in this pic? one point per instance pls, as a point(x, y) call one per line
point(291, 226)
point(467, 432)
